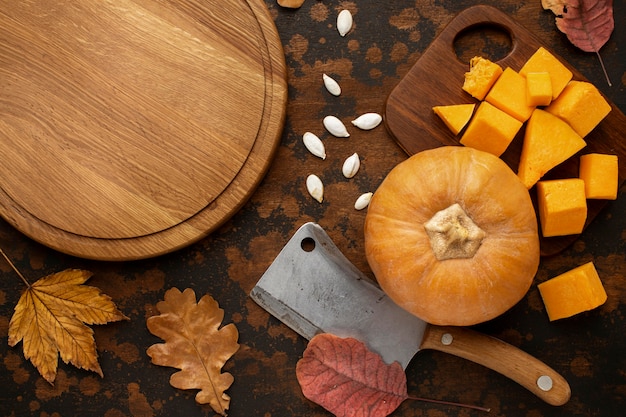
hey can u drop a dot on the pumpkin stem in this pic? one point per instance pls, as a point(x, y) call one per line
point(453, 234)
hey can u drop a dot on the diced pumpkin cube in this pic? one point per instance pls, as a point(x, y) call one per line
point(573, 292)
point(538, 89)
point(509, 95)
point(541, 61)
point(548, 141)
point(600, 172)
point(581, 105)
point(562, 206)
point(481, 76)
point(490, 130)
point(455, 116)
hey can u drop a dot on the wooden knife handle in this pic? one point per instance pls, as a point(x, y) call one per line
point(501, 357)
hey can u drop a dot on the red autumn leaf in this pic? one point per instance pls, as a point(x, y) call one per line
point(349, 380)
point(588, 24)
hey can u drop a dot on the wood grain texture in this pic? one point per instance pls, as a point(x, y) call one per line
point(132, 128)
point(500, 357)
point(436, 79)
point(387, 39)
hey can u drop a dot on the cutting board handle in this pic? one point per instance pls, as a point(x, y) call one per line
point(501, 357)
point(476, 16)
point(484, 16)
point(412, 122)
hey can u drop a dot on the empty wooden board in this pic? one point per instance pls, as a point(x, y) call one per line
point(436, 79)
point(130, 129)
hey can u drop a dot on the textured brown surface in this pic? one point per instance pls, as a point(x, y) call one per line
point(387, 39)
point(122, 126)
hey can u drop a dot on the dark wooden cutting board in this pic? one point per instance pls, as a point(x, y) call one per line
point(131, 129)
point(436, 79)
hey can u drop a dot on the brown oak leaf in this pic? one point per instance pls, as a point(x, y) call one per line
point(347, 379)
point(195, 344)
point(588, 24)
point(50, 319)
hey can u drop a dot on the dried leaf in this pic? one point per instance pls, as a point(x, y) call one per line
point(195, 344)
point(347, 379)
point(588, 24)
point(51, 316)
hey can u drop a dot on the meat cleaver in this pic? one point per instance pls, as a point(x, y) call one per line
point(312, 288)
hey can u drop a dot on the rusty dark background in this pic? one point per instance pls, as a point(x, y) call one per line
point(388, 37)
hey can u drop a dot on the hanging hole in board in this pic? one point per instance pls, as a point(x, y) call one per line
point(307, 244)
point(488, 41)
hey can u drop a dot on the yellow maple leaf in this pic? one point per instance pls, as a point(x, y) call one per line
point(557, 6)
point(195, 344)
point(50, 319)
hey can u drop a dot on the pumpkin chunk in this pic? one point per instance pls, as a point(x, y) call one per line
point(481, 76)
point(572, 292)
point(562, 206)
point(601, 175)
point(455, 116)
point(548, 141)
point(581, 105)
point(542, 60)
point(509, 95)
point(490, 130)
point(538, 89)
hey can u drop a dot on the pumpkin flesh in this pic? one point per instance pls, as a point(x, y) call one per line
point(455, 291)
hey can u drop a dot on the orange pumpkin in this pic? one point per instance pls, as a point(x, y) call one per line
point(451, 236)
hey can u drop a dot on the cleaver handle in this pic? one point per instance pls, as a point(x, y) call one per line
point(501, 357)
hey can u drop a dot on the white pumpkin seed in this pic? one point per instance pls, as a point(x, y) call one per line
point(315, 187)
point(344, 22)
point(335, 127)
point(331, 85)
point(314, 145)
point(363, 201)
point(368, 121)
point(351, 165)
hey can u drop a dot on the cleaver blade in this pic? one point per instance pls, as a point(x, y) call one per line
point(312, 288)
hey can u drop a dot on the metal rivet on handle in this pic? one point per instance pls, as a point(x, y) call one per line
point(446, 339)
point(544, 382)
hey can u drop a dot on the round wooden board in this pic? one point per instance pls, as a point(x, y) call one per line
point(130, 129)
